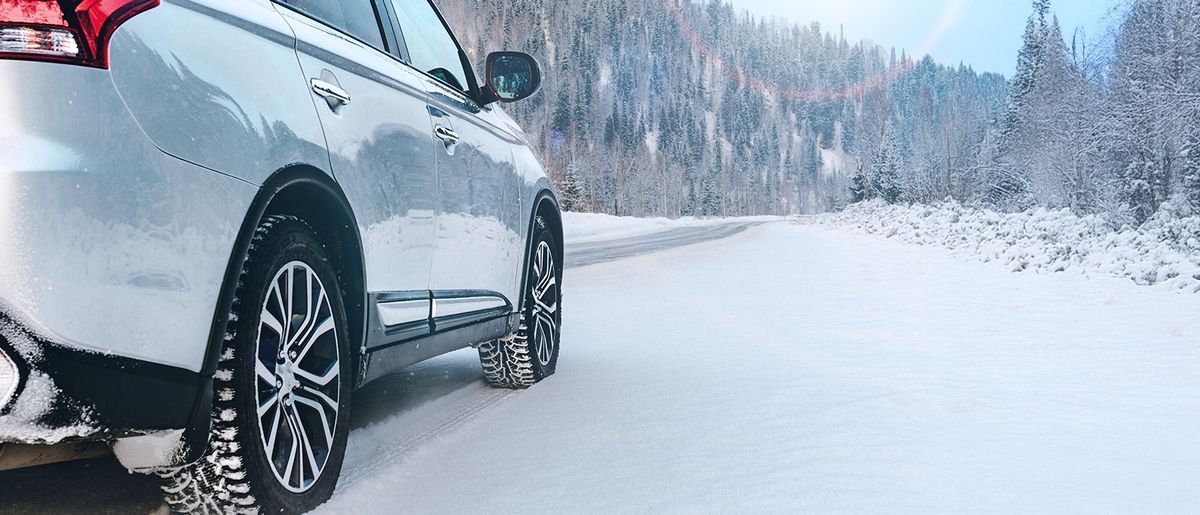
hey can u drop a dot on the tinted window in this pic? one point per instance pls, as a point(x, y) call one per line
point(430, 47)
point(354, 17)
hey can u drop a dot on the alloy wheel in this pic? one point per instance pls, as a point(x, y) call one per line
point(297, 381)
point(544, 294)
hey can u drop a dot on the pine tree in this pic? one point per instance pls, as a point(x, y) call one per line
point(814, 160)
point(561, 121)
point(1028, 59)
point(1008, 183)
point(710, 198)
point(887, 166)
point(1137, 192)
point(571, 190)
point(860, 186)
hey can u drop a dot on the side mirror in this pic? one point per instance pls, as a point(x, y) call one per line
point(511, 76)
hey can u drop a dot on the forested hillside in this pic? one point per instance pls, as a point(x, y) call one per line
point(678, 108)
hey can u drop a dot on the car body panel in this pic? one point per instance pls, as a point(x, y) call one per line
point(382, 151)
point(232, 100)
point(110, 245)
point(479, 203)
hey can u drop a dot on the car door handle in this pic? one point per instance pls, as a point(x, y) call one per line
point(446, 134)
point(331, 92)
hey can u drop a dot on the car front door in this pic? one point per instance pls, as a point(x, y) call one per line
point(478, 251)
point(375, 114)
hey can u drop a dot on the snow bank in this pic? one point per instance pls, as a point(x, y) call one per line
point(1165, 251)
point(592, 227)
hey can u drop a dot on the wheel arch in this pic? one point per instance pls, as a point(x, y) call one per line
point(313, 196)
point(544, 205)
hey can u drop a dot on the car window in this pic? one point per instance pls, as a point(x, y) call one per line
point(430, 47)
point(354, 17)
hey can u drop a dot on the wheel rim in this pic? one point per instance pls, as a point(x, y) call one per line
point(544, 294)
point(297, 376)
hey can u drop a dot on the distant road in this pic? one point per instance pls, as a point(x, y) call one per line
point(594, 252)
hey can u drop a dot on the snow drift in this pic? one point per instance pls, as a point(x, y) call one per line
point(1165, 251)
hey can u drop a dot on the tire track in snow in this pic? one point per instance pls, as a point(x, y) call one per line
point(445, 420)
point(425, 429)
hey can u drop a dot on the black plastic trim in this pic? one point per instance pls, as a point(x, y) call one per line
point(455, 321)
point(312, 16)
point(122, 396)
point(401, 296)
point(115, 395)
point(545, 196)
point(396, 357)
point(393, 28)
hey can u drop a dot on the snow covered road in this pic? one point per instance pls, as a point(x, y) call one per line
point(792, 368)
point(595, 252)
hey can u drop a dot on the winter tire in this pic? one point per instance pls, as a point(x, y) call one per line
point(280, 410)
point(531, 354)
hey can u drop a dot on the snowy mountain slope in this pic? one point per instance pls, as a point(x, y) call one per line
point(793, 368)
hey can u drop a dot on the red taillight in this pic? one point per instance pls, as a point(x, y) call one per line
point(50, 30)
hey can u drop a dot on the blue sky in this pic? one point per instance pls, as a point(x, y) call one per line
point(985, 34)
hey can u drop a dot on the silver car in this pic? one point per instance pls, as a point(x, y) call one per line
point(218, 218)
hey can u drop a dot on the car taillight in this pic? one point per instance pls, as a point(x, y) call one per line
point(71, 31)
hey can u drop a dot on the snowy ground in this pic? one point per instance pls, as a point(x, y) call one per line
point(1164, 252)
point(797, 368)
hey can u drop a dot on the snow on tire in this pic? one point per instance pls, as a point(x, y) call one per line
point(531, 354)
point(284, 374)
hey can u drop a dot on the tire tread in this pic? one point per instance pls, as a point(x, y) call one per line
point(219, 483)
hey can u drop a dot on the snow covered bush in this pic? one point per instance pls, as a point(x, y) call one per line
point(1164, 251)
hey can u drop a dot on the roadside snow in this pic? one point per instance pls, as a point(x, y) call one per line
point(801, 369)
point(1165, 251)
point(592, 227)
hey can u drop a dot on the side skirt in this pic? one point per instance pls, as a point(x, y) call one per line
point(406, 328)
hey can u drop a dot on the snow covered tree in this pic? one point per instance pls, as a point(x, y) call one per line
point(1008, 182)
point(1028, 61)
point(571, 189)
point(1141, 130)
point(887, 166)
point(860, 186)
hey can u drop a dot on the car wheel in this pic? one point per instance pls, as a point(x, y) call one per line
point(531, 354)
point(281, 406)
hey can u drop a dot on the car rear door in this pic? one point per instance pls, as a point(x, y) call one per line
point(478, 251)
point(378, 130)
